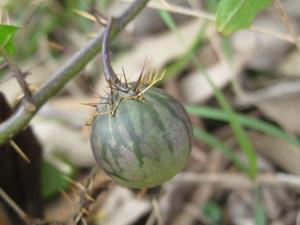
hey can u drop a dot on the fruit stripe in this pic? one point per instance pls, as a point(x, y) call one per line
point(133, 136)
point(114, 147)
point(111, 171)
point(102, 141)
point(187, 122)
point(95, 146)
point(117, 175)
point(106, 147)
point(162, 101)
point(157, 120)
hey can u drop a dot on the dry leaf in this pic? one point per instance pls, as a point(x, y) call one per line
point(279, 152)
point(285, 111)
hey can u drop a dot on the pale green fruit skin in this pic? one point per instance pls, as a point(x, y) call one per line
point(145, 143)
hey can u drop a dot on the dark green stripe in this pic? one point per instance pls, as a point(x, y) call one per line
point(106, 146)
point(95, 149)
point(115, 174)
point(101, 121)
point(155, 156)
point(114, 150)
point(120, 139)
point(127, 123)
point(164, 101)
point(156, 119)
point(109, 168)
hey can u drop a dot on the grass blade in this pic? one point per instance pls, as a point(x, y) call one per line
point(214, 142)
point(247, 121)
point(259, 210)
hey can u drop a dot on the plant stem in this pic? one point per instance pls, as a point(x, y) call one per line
point(20, 77)
point(109, 73)
point(20, 119)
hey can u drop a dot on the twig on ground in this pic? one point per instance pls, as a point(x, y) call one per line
point(157, 211)
point(85, 198)
point(298, 218)
point(209, 17)
point(182, 10)
point(23, 216)
point(285, 18)
point(151, 219)
point(202, 193)
point(235, 70)
point(276, 91)
point(237, 181)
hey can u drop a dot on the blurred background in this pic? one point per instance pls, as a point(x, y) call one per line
point(244, 176)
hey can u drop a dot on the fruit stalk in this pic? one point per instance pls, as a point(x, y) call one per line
point(109, 73)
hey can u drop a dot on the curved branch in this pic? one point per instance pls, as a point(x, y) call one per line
point(109, 72)
point(20, 119)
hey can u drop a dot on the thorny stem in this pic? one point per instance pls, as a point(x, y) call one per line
point(20, 76)
point(20, 119)
point(85, 198)
point(101, 19)
point(19, 151)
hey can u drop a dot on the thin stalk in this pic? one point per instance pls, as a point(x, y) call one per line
point(109, 73)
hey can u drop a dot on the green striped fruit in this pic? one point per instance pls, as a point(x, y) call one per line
point(145, 142)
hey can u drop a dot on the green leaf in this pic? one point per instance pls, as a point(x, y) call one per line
point(249, 122)
point(233, 15)
point(10, 48)
point(7, 33)
point(54, 179)
point(213, 211)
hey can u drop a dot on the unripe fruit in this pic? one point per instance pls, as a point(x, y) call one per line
point(145, 141)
